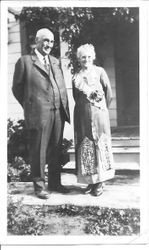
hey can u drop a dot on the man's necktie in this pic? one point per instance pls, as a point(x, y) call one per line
point(46, 63)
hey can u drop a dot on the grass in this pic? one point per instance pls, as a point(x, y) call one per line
point(71, 220)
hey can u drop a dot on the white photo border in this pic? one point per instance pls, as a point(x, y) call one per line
point(143, 238)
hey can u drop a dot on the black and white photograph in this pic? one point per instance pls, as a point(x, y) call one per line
point(74, 112)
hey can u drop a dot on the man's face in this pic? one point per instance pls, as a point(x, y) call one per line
point(45, 43)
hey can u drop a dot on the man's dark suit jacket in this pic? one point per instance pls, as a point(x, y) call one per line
point(30, 87)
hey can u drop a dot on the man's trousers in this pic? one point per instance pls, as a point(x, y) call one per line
point(45, 147)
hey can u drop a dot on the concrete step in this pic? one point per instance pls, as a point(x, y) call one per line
point(125, 141)
point(126, 153)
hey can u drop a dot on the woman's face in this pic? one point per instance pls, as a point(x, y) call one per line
point(86, 60)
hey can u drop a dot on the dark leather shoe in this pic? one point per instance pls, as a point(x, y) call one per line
point(89, 189)
point(59, 188)
point(97, 190)
point(42, 194)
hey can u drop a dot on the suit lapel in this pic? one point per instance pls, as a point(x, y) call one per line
point(38, 63)
point(59, 80)
point(52, 65)
point(55, 71)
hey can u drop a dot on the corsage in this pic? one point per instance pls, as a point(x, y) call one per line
point(96, 96)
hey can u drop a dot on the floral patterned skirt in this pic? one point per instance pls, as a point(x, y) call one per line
point(93, 151)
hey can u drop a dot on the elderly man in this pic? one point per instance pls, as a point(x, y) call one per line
point(39, 87)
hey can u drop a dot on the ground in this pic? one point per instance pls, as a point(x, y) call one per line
point(115, 212)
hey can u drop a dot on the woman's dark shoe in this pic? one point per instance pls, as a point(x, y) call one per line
point(98, 189)
point(89, 189)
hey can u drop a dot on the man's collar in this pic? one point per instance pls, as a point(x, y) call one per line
point(39, 55)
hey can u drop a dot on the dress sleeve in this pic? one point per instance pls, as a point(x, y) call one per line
point(106, 86)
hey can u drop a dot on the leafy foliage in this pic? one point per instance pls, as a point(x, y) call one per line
point(37, 220)
point(66, 145)
point(114, 221)
point(73, 19)
point(18, 167)
point(18, 170)
point(77, 25)
point(18, 152)
point(67, 210)
point(105, 221)
point(22, 221)
point(17, 140)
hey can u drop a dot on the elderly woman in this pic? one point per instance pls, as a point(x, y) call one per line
point(92, 94)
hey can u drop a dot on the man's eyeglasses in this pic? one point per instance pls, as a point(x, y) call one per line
point(48, 41)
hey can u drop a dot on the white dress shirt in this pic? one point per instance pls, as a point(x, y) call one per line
point(42, 58)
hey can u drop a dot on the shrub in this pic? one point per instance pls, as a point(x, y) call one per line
point(64, 157)
point(23, 221)
point(18, 151)
point(18, 170)
point(17, 140)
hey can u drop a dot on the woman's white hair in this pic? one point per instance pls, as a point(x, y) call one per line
point(83, 49)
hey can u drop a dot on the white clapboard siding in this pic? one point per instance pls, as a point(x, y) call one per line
point(15, 111)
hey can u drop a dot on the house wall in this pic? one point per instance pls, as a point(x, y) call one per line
point(106, 51)
point(15, 111)
point(127, 74)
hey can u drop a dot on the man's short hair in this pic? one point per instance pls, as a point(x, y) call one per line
point(42, 32)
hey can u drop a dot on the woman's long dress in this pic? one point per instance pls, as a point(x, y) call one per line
point(93, 152)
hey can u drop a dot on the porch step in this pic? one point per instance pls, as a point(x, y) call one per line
point(125, 142)
point(126, 154)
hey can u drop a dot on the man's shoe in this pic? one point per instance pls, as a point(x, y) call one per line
point(42, 194)
point(89, 189)
point(59, 188)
